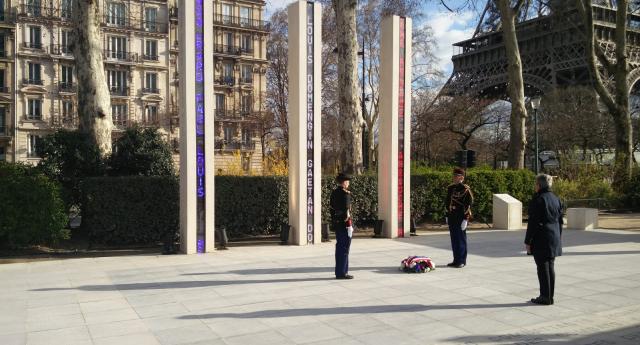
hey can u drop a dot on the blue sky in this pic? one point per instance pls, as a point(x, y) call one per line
point(447, 27)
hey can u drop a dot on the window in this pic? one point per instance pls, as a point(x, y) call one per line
point(247, 74)
point(117, 81)
point(227, 13)
point(151, 82)
point(34, 8)
point(3, 87)
point(119, 114)
point(220, 107)
point(66, 9)
point(65, 42)
point(228, 42)
point(3, 51)
point(246, 43)
point(34, 109)
point(66, 77)
point(150, 19)
point(3, 156)
point(34, 74)
point(67, 112)
point(151, 114)
point(151, 50)
point(117, 47)
point(228, 134)
point(116, 14)
point(246, 136)
point(2, 11)
point(246, 160)
point(3, 121)
point(228, 73)
point(245, 16)
point(33, 145)
point(245, 104)
point(35, 37)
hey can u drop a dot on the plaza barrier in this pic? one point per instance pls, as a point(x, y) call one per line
point(507, 212)
point(582, 218)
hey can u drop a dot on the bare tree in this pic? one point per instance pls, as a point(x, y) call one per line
point(278, 79)
point(94, 108)
point(350, 112)
point(613, 94)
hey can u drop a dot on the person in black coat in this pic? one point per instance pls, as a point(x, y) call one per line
point(340, 206)
point(543, 238)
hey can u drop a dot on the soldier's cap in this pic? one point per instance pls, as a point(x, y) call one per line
point(343, 177)
point(458, 172)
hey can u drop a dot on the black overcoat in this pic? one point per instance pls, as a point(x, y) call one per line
point(544, 229)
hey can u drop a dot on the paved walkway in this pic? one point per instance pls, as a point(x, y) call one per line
point(286, 295)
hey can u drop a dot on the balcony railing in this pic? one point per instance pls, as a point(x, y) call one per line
point(154, 26)
point(4, 54)
point(240, 22)
point(121, 122)
point(65, 86)
point(33, 117)
point(4, 130)
point(246, 80)
point(66, 121)
point(151, 90)
point(233, 145)
point(232, 50)
point(59, 49)
point(119, 55)
point(119, 90)
point(228, 81)
point(33, 45)
point(36, 11)
point(7, 17)
point(28, 81)
point(148, 57)
point(5, 89)
point(117, 21)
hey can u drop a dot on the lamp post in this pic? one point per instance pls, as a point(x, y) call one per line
point(363, 99)
point(535, 104)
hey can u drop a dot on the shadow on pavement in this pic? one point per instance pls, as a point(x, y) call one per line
point(375, 309)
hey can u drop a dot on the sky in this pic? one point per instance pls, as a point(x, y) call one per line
point(448, 27)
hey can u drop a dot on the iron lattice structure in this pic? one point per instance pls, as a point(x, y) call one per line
point(552, 49)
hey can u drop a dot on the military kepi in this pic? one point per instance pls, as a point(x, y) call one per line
point(343, 177)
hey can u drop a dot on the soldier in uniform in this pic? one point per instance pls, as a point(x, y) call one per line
point(458, 205)
point(341, 220)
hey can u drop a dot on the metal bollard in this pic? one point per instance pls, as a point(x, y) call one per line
point(325, 233)
point(377, 228)
point(284, 233)
point(221, 235)
point(413, 231)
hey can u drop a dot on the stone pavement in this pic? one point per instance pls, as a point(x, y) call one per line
point(286, 295)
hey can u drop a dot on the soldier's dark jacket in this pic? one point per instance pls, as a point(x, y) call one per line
point(340, 203)
point(458, 202)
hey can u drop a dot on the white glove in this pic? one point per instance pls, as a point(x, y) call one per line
point(446, 220)
point(464, 225)
point(350, 231)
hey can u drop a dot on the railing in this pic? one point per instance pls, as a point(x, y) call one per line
point(154, 26)
point(7, 17)
point(246, 80)
point(119, 55)
point(3, 130)
point(117, 21)
point(4, 54)
point(150, 57)
point(59, 49)
point(33, 45)
point(240, 22)
point(234, 145)
point(38, 11)
point(27, 81)
point(232, 50)
point(69, 121)
point(65, 86)
point(151, 90)
point(5, 89)
point(228, 81)
point(33, 117)
point(119, 91)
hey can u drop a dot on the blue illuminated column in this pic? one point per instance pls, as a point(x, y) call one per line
point(394, 131)
point(305, 50)
point(197, 134)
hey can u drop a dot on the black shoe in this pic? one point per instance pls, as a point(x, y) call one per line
point(345, 277)
point(452, 264)
point(458, 266)
point(541, 300)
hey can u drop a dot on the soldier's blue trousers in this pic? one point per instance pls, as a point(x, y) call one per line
point(343, 242)
point(458, 241)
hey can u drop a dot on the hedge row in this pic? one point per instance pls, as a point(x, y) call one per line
point(140, 209)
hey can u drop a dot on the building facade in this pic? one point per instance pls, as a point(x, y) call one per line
point(38, 93)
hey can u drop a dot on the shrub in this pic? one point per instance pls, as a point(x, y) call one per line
point(130, 209)
point(68, 157)
point(631, 196)
point(141, 152)
point(32, 211)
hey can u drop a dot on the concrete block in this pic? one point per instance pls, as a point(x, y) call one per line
point(507, 212)
point(582, 218)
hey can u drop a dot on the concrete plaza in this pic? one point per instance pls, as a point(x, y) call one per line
point(287, 295)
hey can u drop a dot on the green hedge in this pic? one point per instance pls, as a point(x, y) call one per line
point(255, 205)
point(32, 210)
point(130, 210)
point(631, 198)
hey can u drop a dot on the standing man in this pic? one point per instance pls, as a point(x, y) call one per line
point(458, 205)
point(342, 224)
point(544, 231)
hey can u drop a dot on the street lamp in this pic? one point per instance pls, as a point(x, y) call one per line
point(363, 100)
point(535, 104)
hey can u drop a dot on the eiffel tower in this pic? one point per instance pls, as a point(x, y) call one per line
point(552, 48)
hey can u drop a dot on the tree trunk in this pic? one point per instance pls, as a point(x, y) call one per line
point(518, 138)
point(615, 98)
point(350, 112)
point(94, 100)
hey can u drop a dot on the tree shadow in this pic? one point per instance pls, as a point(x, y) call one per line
point(299, 270)
point(376, 309)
